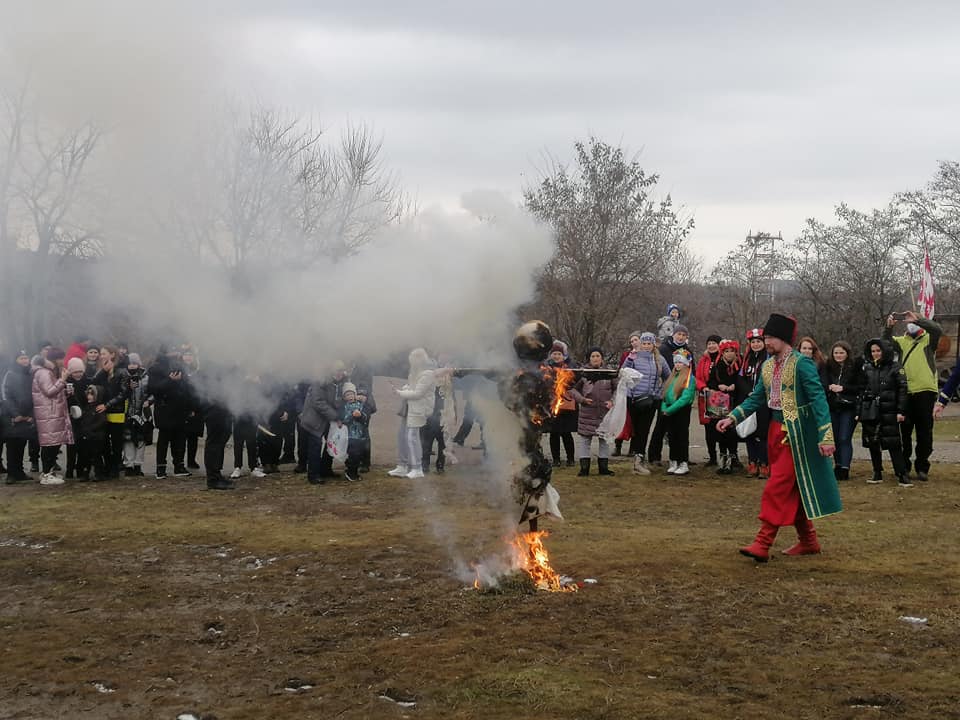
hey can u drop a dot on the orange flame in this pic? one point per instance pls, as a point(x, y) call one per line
point(533, 559)
point(562, 383)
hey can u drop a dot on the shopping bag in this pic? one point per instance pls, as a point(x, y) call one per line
point(338, 438)
point(612, 424)
point(748, 426)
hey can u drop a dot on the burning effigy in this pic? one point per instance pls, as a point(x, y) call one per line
point(533, 393)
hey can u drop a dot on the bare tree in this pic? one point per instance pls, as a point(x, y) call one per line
point(266, 190)
point(935, 211)
point(45, 212)
point(852, 274)
point(612, 237)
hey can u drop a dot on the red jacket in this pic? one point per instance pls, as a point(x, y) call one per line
point(704, 366)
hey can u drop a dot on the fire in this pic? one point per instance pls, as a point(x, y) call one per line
point(562, 382)
point(532, 557)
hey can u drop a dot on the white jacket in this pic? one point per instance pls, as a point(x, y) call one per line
point(421, 399)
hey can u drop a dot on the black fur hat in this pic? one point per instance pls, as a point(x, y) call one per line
point(783, 327)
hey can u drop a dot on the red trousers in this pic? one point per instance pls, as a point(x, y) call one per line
point(780, 504)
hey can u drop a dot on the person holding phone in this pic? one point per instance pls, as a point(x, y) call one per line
point(917, 356)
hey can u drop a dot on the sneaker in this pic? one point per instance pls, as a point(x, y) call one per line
point(350, 476)
point(161, 474)
point(50, 479)
point(639, 467)
point(237, 472)
point(415, 474)
point(921, 476)
point(192, 465)
point(258, 472)
point(904, 481)
point(876, 479)
point(181, 472)
point(399, 471)
point(673, 468)
point(682, 469)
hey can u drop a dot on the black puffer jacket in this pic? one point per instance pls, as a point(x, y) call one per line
point(883, 397)
point(16, 400)
point(849, 377)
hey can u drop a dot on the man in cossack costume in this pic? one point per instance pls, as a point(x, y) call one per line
point(801, 486)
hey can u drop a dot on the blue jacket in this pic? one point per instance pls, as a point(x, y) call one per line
point(654, 374)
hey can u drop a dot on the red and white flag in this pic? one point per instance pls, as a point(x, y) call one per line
point(925, 298)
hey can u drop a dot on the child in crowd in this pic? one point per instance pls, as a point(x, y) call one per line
point(668, 323)
point(757, 463)
point(93, 436)
point(723, 378)
point(356, 417)
point(678, 394)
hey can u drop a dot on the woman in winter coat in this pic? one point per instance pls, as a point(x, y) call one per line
point(595, 398)
point(564, 422)
point(16, 414)
point(77, 384)
point(704, 366)
point(757, 462)
point(883, 405)
point(678, 394)
point(116, 392)
point(723, 378)
point(420, 396)
point(644, 398)
point(49, 391)
point(841, 381)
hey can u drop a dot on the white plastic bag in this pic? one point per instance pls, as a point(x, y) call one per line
point(612, 424)
point(338, 438)
point(748, 426)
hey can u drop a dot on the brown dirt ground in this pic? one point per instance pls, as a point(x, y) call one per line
point(177, 600)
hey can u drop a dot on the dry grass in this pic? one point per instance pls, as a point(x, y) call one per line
point(224, 603)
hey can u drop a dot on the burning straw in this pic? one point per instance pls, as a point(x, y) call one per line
point(528, 556)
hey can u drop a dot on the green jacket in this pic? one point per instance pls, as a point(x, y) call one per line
point(668, 407)
point(806, 419)
point(921, 366)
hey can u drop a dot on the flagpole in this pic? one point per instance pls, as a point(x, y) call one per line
point(913, 295)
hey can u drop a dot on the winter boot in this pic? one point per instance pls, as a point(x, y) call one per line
point(877, 478)
point(759, 549)
point(752, 469)
point(807, 543)
point(604, 466)
point(735, 465)
point(617, 448)
point(639, 466)
point(584, 467)
point(724, 466)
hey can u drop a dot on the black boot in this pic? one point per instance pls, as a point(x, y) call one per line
point(877, 477)
point(604, 466)
point(617, 448)
point(584, 467)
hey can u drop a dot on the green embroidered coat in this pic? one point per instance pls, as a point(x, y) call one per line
point(806, 419)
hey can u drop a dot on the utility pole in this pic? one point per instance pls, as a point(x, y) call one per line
point(763, 266)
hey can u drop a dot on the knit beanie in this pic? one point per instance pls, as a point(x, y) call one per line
point(648, 337)
point(348, 387)
point(75, 364)
point(681, 328)
point(134, 359)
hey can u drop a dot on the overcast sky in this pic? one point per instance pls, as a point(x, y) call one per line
point(756, 115)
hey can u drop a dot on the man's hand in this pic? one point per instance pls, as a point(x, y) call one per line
point(835, 388)
point(587, 401)
point(891, 321)
point(356, 413)
point(828, 450)
point(725, 424)
point(938, 410)
point(910, 316)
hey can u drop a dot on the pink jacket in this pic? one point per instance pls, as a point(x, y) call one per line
point(50, 407)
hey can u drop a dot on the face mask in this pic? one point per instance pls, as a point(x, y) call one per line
point(912, 329)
